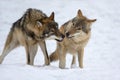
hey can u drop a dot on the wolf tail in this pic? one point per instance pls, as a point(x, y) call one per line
point(54, 56)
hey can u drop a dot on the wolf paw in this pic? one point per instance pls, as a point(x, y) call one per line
point(73, 66)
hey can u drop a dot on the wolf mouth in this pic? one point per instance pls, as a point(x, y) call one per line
point(59, 40)
point(70, 36)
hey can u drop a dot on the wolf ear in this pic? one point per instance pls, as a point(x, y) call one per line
point(39, 24)
point(91, 20)
point(79, 13)
point(51, 16)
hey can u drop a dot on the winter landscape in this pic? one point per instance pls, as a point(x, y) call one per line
point(102, 54)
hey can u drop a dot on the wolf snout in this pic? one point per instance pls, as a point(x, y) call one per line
point(67, 34)
point(63, 36)
point(60, 39)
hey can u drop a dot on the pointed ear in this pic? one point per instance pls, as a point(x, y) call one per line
point(79, 13)
point(51, 16)
point(39, 24)
point(91, 20)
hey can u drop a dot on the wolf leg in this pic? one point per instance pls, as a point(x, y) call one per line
point(80, 57)
point(44, 50)
point(32, 51)
point(27, 54)
point(10, 44)
point(73, 64)
point(62, 58)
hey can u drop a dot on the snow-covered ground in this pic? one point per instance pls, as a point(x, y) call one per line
point(102, 54)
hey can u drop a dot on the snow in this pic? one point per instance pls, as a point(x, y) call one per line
point(102, 54)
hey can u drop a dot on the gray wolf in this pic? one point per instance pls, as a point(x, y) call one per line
point(77, 33)
point(31, 30)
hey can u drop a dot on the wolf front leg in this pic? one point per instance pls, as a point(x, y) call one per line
point(80, 57)
point(73, 64)
point(27, 54)
point(62, 58)
point(32, 53)
point(44, 50)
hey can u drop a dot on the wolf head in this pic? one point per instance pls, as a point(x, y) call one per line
point(42, 26)
point(79, 26)
point(50, 29)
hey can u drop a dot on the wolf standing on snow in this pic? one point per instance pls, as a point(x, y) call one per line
point(30, 31)
point(77, 32)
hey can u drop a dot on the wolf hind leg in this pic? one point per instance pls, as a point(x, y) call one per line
point(10, 44)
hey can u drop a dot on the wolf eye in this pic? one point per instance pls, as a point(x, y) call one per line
point(56, 25)
point(79, 28)
point(52, 30)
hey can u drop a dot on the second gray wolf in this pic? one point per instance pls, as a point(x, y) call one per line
point(77, 33)
point(31, 30)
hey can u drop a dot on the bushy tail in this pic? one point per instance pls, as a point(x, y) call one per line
point(54, 56)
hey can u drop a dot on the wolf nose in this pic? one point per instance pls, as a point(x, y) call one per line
point(63, 36)
point(67, 34)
